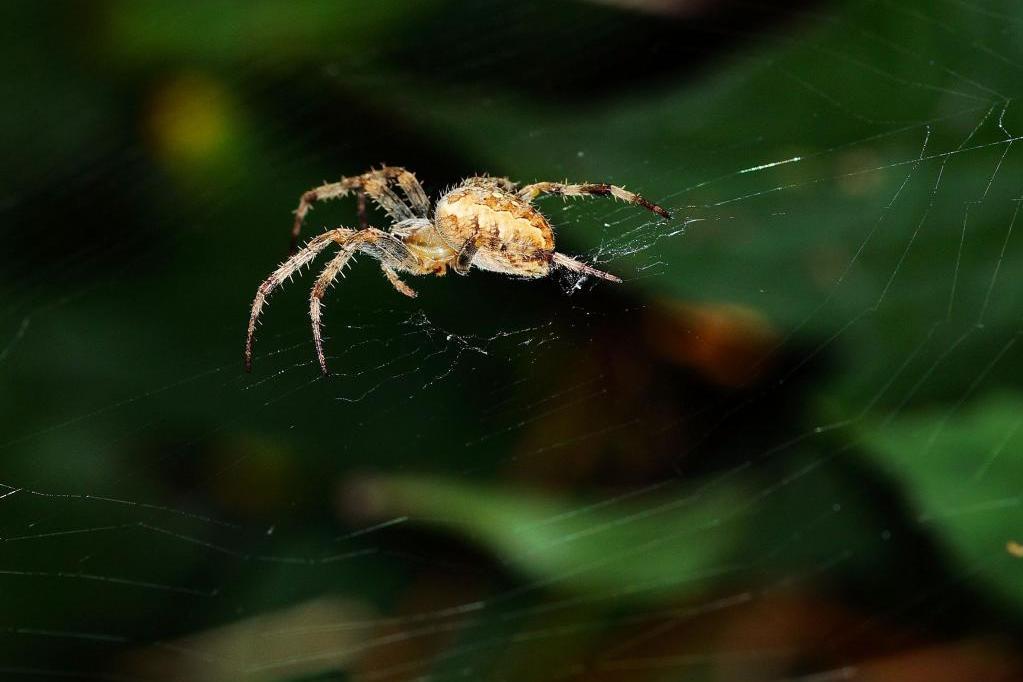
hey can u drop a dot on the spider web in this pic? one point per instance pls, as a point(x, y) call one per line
point(786, 447)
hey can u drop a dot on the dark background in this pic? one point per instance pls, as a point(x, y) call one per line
point(786, 447)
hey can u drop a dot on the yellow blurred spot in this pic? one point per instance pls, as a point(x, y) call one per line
point(1014, 548)
point(190, 119)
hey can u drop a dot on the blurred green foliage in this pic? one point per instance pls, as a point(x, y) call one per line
point(629, 552)
point(959, 469)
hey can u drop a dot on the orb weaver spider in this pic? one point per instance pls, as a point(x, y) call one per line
point(486, 222)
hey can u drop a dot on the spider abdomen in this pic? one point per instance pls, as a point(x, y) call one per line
point(513, 237)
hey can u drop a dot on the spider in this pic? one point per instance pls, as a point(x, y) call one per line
point(486, 221)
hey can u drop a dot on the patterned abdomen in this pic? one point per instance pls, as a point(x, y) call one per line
point(513, 237)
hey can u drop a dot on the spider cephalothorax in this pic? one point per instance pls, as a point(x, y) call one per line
point(487, 222)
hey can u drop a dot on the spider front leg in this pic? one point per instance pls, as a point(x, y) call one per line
point(325, 279)
point(374, 183)
point(391, 252)
point(396, 282)
point(530, 192)
point(506, 184)
point(500, 183)
point(286, 270)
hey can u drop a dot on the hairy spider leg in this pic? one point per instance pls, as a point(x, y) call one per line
point(504, 183)
point(285, 270)
point(391, 253)
point(396, 282)
point(501, 183)
point(325, 279)
point(530, 192)
point(413, 190)
point(576, 266)
point(415, 196)
point(370, 184)
point(375, 183)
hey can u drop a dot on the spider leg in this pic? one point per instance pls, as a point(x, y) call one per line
point(395, 281)
point(361, 208)
point(417, 198)
point(391, 253)
point(505, 184)
point(491, 181)
point(530, 192)
point(374, 183)
point(463, 260)
point(376, 187)
point(284, 271)
point(325, 279)
point(572, 264)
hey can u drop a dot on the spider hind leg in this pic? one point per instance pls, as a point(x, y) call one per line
point(572, 264)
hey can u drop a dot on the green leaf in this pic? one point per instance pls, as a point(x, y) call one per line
point(963, 475)
point(638, 549)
